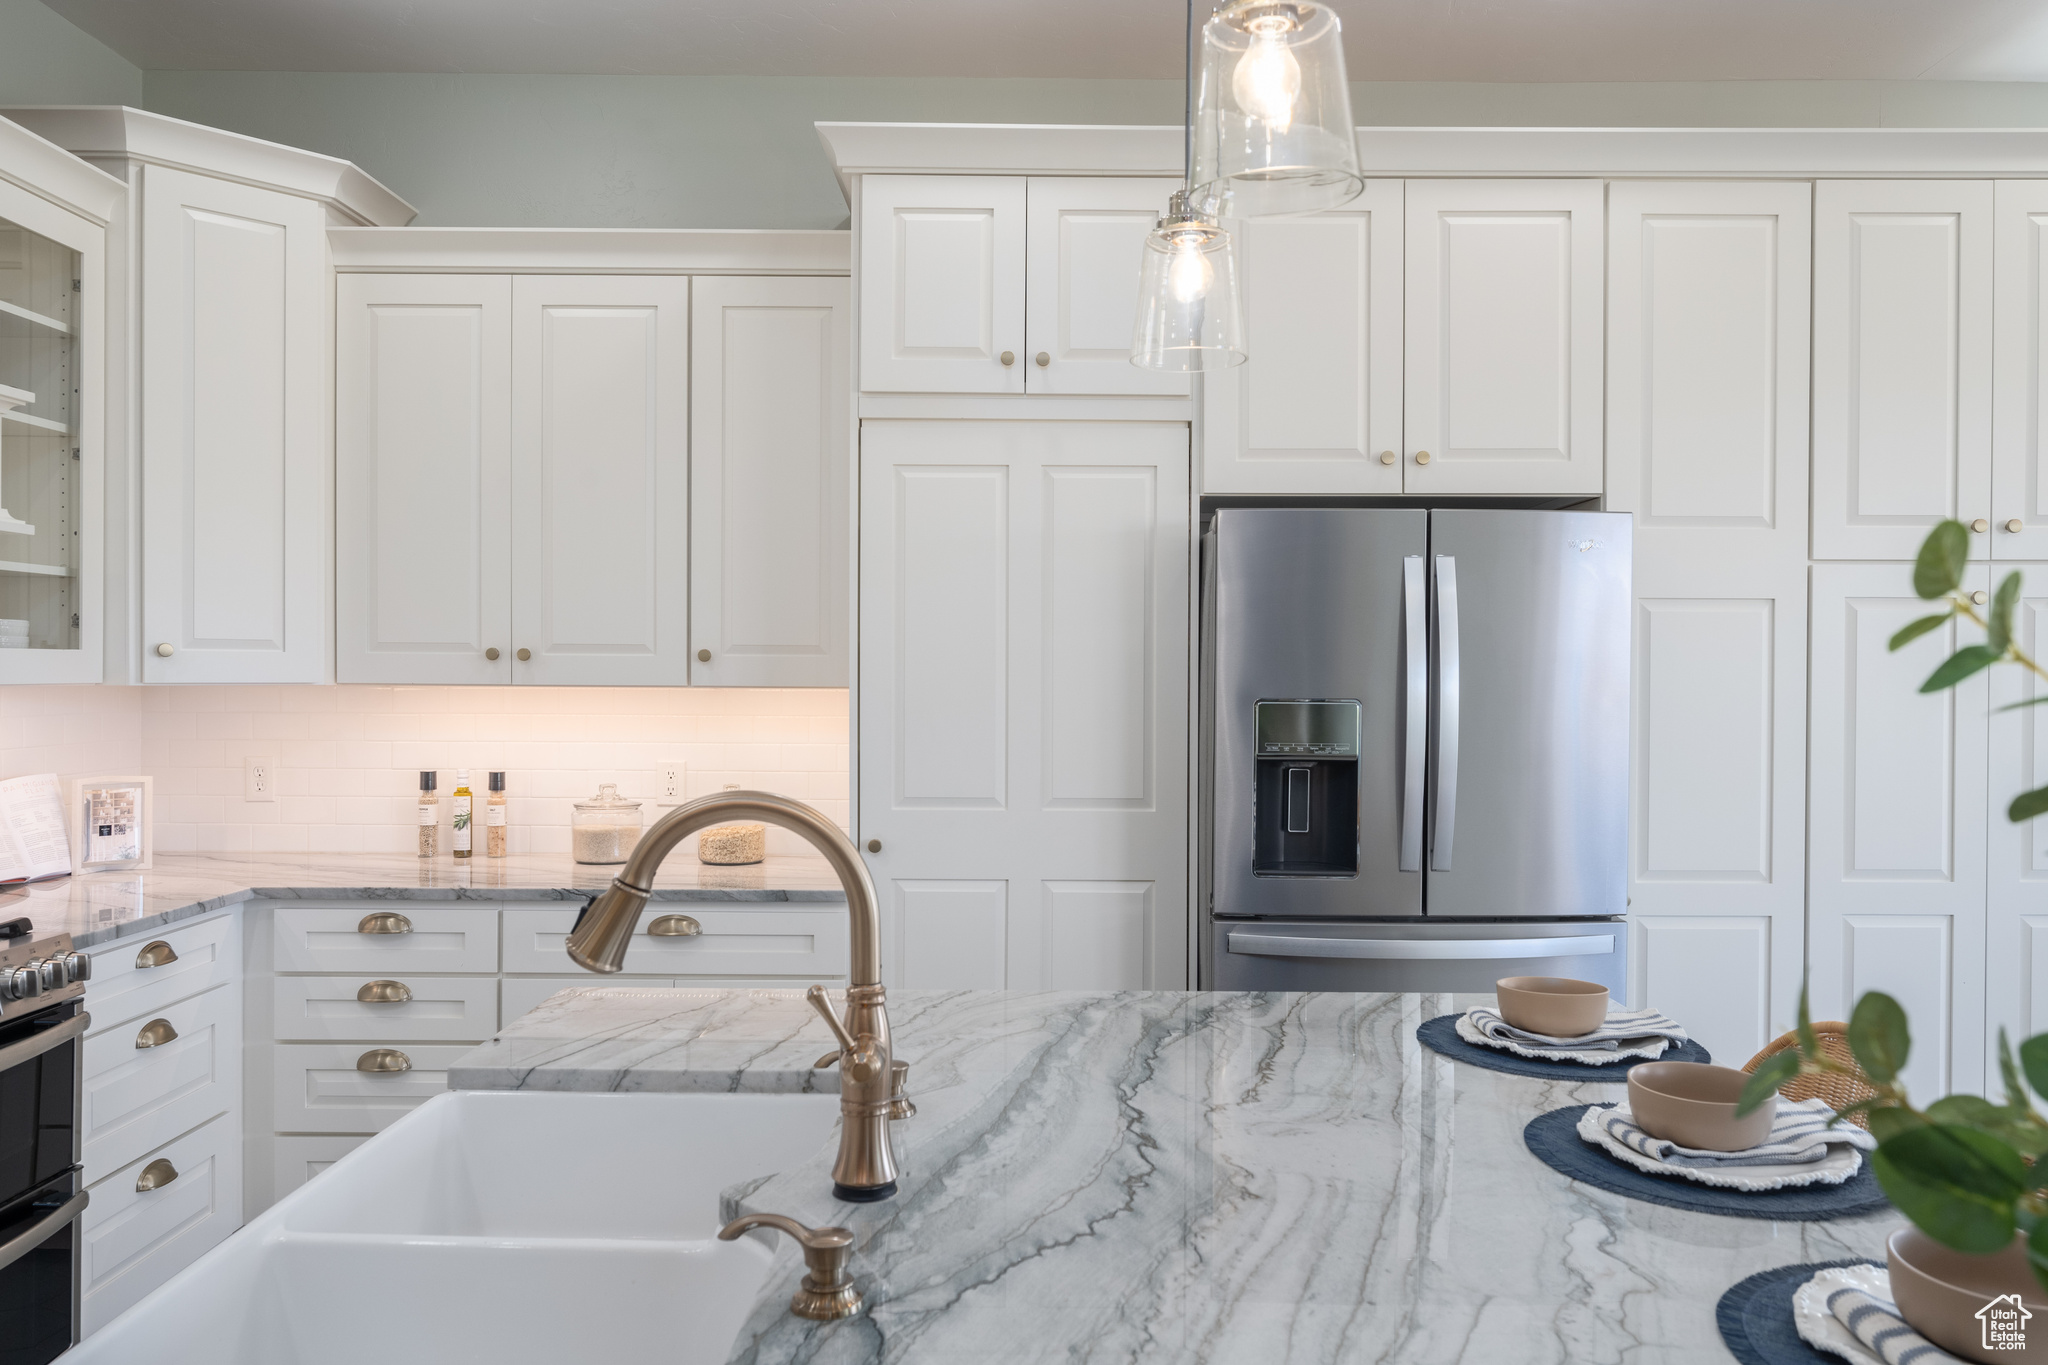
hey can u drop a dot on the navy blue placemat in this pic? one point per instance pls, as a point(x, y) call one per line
point(1755, 1317)
point(1441, 1035)
point(1554, 1138)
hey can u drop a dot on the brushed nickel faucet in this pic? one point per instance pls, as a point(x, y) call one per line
point(866, 1169)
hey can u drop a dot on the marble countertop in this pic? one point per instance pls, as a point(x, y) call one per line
point(97, 907)
point(1165, 1176)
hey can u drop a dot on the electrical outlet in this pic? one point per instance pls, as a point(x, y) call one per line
point(257, 779)
point(672, 782)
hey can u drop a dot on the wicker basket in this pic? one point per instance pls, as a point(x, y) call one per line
point(1838, 1090)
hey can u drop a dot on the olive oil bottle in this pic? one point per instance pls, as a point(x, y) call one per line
point(461, 803)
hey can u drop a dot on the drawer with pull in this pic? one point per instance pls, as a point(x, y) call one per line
point(420, 1009)
point(354, 1087)
point(152, 1077)
point(696, 938)
point(158, 1214)
point(144, 973)
point(385, 938)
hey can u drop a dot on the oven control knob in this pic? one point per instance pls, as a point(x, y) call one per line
point(51, 969)
point(78, 966)
point(22, 983)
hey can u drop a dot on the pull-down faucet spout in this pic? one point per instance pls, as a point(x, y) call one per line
point(866, 1169)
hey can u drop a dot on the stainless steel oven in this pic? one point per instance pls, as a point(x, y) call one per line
point(42, 1190)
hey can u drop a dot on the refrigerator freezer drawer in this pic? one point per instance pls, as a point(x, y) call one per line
point(1271, 955)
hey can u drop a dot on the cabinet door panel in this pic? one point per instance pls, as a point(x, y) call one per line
point(234, 432)
point(2016, 993)
point(2019, 426)
point(600, 479)
point(1504, 336)
point(1086, 241)
point(1901, 363)
point(768, 480)
point(1023, 699)
point(942, 284)
point(1715, 972)
point(423, 478)
point(1897, 820)
point(1319, 401)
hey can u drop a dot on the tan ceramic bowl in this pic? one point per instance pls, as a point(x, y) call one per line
point(1554, 1005)
point(1693, 1105)
point(1940, 1292)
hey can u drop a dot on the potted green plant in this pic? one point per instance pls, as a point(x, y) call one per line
point(1966, 1171)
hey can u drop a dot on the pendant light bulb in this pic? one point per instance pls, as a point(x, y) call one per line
point(1189, 317)
point(1189, 274)
point(1267, 82)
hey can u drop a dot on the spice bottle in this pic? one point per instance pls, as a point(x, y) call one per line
point(494, 818)
point(430, 818)
point(463, 803)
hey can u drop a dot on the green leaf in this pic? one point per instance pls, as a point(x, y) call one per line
point(1907, 634)
point(2016, 1128)
point(1961, 664)
point(1998, 632)
point(2009, 1072)
point(1956, 1184)
point(1939, 569)
point(1879, 1037)
point(2037, 1251)
point(1809, 1042)
point(2041, 700)
point(1773, 1073)
point(2034, 1061)
point(2027, 805)
point(1850, 1111)
point(1888, 1121)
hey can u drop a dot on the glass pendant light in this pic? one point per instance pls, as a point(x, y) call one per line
point(1273, 129)
point(1188, 314)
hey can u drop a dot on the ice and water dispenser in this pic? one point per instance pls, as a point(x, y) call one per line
point(1305, 811)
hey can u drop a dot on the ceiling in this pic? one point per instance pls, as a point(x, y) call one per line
point(1395, 40)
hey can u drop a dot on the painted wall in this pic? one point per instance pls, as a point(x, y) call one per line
point(45, 59)
point(654, 151)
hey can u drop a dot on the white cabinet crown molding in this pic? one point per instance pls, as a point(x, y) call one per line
point(593, 251)
point(1791, 153)
point(115, 130)
point(48, 171)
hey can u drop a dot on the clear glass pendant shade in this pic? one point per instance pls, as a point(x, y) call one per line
point(1188, 314)
point(1272, 124)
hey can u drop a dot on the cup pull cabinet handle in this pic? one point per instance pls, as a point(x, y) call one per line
point(675, 926)
point(383, 1060)
point(384, 993)
point(156, 954)
point(384, 922)
point(155, 1175)
point(156, 1033)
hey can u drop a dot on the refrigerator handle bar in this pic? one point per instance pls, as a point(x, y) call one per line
point(1415, 743)
point(1446, 712)
point(1420, 949)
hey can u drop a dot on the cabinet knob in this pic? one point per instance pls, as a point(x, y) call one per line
point(703, 656)
point(383, 1059)
point(1043, 359)
point(1980, 597)
point(156, 1033)
point(874, 845)
point(2015, 526)
point(384, 922)
point(164, 651)
point(155, 1176)
point(384, 993)
point(492, 654)
point(1008, 358)
point(1422, 457)
point(1980, 526)
point(523, 655)
point(156, 953)
point(1386, 457)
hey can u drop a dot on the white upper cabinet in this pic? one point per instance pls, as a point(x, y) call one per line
point(1085, 248)
point(234, 432)
point(600, 479)
point(1504, 351)
point(1902, 302)
point(968, 283)
point(942, 283)
point(423, 487)
point(2016, 985)
point(768, 476)
point(2019, 425)
point(1317, 407)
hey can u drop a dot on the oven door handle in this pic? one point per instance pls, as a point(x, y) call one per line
point(27, 1240)
point(14, 1054)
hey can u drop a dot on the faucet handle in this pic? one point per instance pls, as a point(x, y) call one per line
point(827, 1291)
point(861, 1062)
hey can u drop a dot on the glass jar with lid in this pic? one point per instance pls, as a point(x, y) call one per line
point(604, 828)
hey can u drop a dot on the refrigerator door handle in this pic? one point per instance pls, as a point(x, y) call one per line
point(1446, 712)
point(1419, 949)
point(1415, 741)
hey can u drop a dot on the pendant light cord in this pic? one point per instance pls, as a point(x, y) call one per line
point(1187, 125)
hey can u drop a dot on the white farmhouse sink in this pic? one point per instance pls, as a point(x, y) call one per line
point(494, 1227)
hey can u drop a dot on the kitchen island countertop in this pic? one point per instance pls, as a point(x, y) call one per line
point(1167, 1176)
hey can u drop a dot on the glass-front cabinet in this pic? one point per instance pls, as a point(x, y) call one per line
point(52, 360)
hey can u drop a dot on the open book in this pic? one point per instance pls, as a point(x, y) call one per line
point(33, 844)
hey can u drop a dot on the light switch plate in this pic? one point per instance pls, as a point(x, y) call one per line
point(258, 779)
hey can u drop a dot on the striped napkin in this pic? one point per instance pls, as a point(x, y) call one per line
point(1624, 1034)
point(1842, 1309)
point(1800, 1138)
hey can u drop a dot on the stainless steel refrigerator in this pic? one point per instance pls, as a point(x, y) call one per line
point(1414, 748)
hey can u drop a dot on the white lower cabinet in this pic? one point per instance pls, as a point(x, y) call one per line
point(773, 940)
point(135, 1239)
point(336, 1088)
point(152, 1077)
point(346, 1008)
